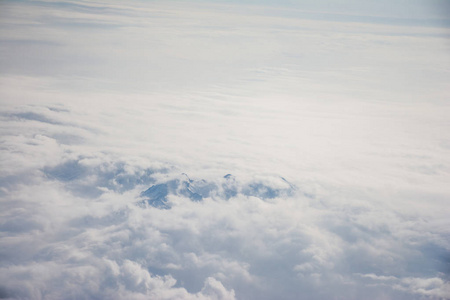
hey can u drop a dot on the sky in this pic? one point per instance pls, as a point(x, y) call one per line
point(224, 149)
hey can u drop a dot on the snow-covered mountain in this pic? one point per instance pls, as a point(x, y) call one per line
point(224, 188)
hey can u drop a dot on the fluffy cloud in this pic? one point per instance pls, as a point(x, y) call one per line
point(215, 151)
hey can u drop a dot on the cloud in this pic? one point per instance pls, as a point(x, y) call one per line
point(434, 287)
point(220, 151)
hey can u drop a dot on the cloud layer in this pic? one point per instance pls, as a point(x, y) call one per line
point(222, 151)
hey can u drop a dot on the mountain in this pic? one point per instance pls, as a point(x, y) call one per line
point(225, 188)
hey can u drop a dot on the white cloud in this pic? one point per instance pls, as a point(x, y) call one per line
point(335, 134)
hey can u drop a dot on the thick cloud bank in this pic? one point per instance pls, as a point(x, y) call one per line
point(156, 150)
